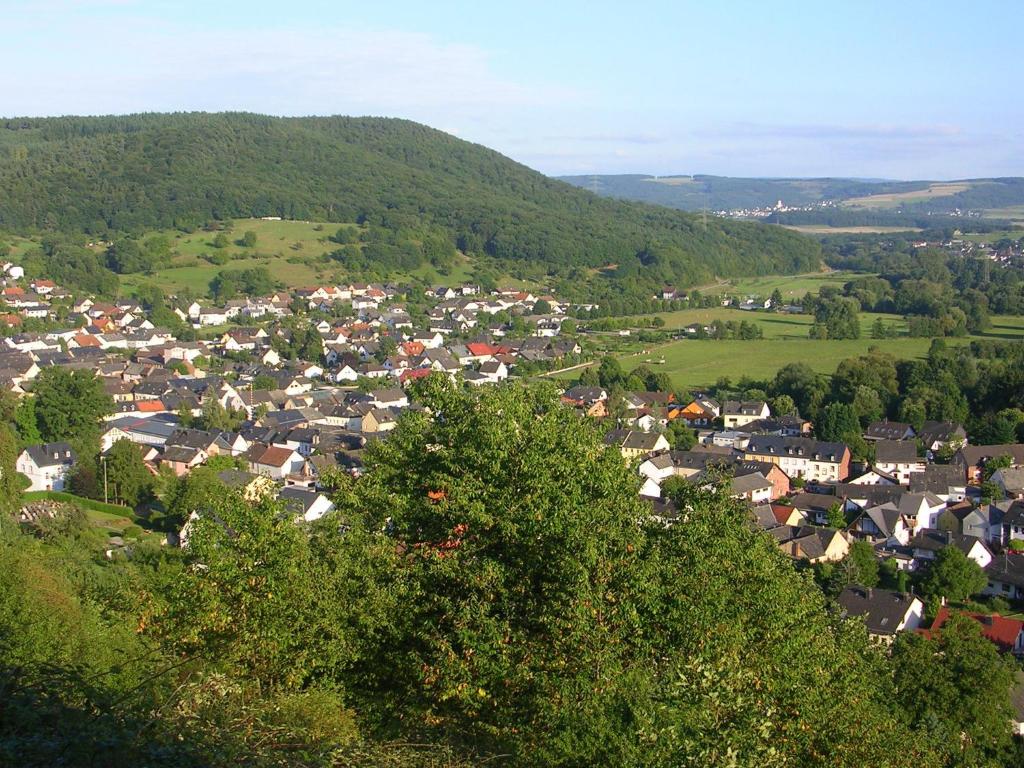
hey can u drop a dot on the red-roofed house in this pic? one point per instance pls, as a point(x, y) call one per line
point(86, 340)
point(414, 373)
point(786, 514)
point(413, 348)
point(43, 287)
point(1007, 634)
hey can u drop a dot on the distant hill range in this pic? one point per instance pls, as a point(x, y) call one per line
point(142, 172)
point(863, 199)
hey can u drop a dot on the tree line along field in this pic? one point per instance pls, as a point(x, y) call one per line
point(693, 363)
point(792, 287)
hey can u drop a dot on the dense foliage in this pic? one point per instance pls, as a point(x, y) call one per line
point(491, 590)
point(941, 293)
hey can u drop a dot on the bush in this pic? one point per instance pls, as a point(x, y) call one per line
point(132, 531)
point(999, 604)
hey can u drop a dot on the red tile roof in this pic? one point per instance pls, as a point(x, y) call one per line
point(782, 512)
point(414, 373)
point(275, 456)
point(85, 340)
point(479, 349)
point(999, 629)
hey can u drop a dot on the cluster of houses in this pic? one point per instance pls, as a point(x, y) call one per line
point(815, 501)
point(297, 418)
point(377, 338)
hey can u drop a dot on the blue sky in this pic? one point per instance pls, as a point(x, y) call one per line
point(869, 88)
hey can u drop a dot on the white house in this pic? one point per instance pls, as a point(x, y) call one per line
point(310, 504)
point(274, 461)
point(46, 465)
point(899, 459)
point(739, 414)
point(884, 612)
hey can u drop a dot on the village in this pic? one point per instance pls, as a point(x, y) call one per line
point(305, 380)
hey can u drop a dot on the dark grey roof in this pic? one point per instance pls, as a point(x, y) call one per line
point(940, 431)
point(749, 483)
point(236, 478)
point(744, 408)
point(896, 452)
point(585, 394)
point(937, 478)
point(180, 453)
point(814, 501)
point(933, 540)
point(771, 445)
point(974, 455)
point(1007, 568)
point(881, 609)
point(885, 517)
point(872, 495)
point(298, 499)
point(641, 441)
point(51, 454)
point(888, 430)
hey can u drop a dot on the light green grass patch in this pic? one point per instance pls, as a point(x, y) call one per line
point(790, 286)
point(696, 363)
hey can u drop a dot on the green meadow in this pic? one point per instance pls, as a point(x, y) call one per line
point(790, 286)
point(696, 363)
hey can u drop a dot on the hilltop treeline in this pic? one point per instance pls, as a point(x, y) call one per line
point(140, 172)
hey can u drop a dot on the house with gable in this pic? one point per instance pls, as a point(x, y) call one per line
point(899, 459)
point(737, 414)
point(884, 612)
point(46, 465)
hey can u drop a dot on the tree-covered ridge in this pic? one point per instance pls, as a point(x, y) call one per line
point(140, 172)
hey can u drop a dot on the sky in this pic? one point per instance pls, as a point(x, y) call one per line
point(867, 88)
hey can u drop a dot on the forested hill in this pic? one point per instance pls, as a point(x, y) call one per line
point(139, 172)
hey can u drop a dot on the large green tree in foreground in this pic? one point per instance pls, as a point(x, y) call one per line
point(492, 588)
point(547, 619)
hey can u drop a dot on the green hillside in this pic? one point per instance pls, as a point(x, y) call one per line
point(139, 173)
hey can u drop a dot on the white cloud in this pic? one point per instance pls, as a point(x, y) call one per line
point(150, 66)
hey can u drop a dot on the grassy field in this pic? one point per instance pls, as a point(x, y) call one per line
point(896, 199)
point(694, 364)
point(822, 229)
point(791, 286)
point(992, 237)
point(1013, 213)
point(294, 252)
point(775, 326)
point(700, 363)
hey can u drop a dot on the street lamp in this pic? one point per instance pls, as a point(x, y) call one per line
point(103, 459)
